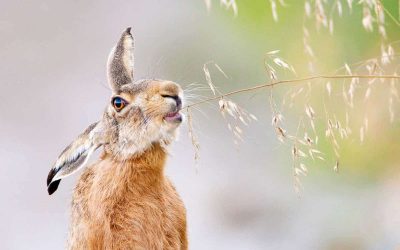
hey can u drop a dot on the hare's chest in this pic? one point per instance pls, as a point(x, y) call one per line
point(124, 218)
point(151, 222)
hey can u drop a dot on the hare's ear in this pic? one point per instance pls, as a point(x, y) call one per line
point(120, 62)
point(74, 156)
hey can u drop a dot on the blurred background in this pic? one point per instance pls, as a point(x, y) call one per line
point(53, 85)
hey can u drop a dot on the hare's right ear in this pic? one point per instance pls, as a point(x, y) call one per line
point(120, 62)
point(75, 156)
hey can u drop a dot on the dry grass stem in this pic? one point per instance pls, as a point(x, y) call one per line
point(267, 85)
point(192, 136)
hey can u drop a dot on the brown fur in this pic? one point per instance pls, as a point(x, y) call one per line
point(128, 205)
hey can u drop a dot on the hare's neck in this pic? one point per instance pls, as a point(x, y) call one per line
point(140, 173)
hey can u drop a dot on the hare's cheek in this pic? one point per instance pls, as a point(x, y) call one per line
point(159, 108)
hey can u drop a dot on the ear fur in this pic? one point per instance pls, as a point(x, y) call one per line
point(120, 62)
point(74, 157)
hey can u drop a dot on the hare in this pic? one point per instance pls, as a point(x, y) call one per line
point(124, 200)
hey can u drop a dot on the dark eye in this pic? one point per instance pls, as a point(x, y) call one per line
point(119, 103)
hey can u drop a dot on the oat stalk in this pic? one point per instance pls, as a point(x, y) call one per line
point(271, 84)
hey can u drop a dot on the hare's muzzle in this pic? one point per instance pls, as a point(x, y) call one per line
point(174, 116)
point(177, 99)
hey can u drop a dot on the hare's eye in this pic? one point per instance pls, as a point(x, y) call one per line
point(119, 103)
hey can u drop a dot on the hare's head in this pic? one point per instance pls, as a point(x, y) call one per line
point(139, 115)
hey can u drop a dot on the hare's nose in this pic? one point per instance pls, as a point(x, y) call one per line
point(177, 99)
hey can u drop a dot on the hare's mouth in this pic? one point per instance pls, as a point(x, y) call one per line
point(173, 117)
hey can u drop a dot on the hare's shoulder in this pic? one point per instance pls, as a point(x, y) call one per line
point(84, 183)
point(81, 193)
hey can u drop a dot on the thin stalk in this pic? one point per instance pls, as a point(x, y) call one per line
point(271, 84)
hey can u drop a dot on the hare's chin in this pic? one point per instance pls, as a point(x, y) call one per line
point(174, 117)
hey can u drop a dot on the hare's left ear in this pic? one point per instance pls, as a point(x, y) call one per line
point(120, 62)
point(75, 156)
